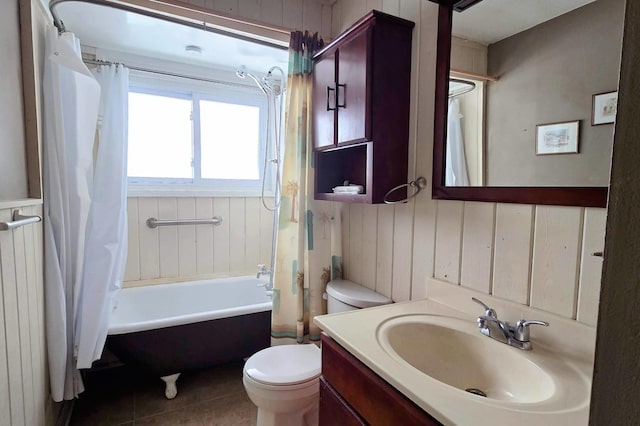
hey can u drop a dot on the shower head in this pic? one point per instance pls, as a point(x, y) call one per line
point(275, 82)
point(243, 73)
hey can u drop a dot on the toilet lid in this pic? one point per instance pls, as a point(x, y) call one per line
point(284, 365)
point(355, 295)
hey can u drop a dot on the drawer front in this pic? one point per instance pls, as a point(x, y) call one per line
point(334, 410)
point(376, 401)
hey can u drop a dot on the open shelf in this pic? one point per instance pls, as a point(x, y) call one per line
point(351, 163)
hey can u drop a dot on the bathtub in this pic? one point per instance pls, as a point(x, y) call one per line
point(166, 329)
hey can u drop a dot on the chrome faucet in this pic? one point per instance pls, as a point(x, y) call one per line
point(262, 270)
point(513, 335)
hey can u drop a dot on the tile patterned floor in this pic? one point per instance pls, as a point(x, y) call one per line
point(120, 397)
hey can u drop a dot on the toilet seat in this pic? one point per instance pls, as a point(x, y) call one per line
point(284, 365)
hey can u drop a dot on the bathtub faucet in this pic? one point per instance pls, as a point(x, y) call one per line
point(262, 270)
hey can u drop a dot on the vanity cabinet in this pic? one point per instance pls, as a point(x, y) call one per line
point(352, 394)
point(360, 101)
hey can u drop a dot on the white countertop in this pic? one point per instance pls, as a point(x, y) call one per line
point(357, 331)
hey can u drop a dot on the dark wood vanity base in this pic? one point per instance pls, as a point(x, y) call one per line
point(352, 394)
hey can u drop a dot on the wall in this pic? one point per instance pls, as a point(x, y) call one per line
point(533, 255)
point(244, 239)
point(24, 377)
point(556, 67)
point(13, 168)
point(184, 252)
point(24, 385)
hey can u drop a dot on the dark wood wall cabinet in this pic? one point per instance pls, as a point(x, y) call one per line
point(361, 91)
point(352, 394)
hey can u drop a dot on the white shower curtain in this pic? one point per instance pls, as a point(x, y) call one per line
point(72, 98)
point(456, 163)
point(106, 239)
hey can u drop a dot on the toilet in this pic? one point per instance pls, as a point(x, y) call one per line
point(284, 381)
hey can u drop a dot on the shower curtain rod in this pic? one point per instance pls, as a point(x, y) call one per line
point(167, 73)
point(201, 25)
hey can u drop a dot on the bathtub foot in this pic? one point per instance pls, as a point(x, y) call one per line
point(171, 390)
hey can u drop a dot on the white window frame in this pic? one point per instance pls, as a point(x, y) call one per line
point(197, 91)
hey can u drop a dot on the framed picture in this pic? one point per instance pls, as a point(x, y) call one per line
point(557, 138)
point(605, 106)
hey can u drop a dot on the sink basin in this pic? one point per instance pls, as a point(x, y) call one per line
point(453, 352)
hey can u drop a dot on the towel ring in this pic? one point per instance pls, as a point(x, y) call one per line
point(419, 184)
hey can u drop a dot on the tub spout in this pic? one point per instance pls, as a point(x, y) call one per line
point(262, 270)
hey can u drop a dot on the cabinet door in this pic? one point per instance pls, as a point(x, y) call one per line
point(324, 102)
point(353, 90)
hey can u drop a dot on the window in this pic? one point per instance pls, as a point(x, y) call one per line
point(195, 141)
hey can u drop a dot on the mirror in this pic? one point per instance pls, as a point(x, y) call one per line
point(526, 130)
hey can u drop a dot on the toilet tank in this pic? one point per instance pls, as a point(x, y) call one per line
point(345, 295)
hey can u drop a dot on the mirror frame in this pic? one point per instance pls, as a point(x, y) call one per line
point(588, 196)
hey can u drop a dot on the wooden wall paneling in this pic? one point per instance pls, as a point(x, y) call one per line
point(355, 243)
point(402, 252)
point(24, 327)
point(424, 231)
point(336, 19)
point(38, 252)
point(11, 324)
point(35, 329)
point(350, 12)
point(449, 222)
point(369, 246)
point(557, 244)
point(467, 55)
point(345, 212)
point(149, 248)
point(204, 237)
point(391, 7)
point(249, 9)
point(209, 4)
point(292, 12)
point(271, 12)
point(325, 29)
point(229, 7)
point(253, 235)
point(5, 389)
point(374, 5)
point(266, 230)
point(237, 234)
point(168, 238)
point(424, 228)
point(132, 268)
point(404, 214)
point(221, 236)
point(384, 264)
point(477, 246)
point(591, 266)
point(316, 17)
point(512, 253)
point(187, 260)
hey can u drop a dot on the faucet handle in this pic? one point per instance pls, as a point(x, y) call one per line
point(521, 329)
point(488, 312)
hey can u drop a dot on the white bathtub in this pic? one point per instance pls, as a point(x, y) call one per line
point(166, 305)
point(166, 329)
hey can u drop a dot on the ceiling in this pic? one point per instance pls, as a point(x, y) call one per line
point(493, 20)
point(116, 30)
